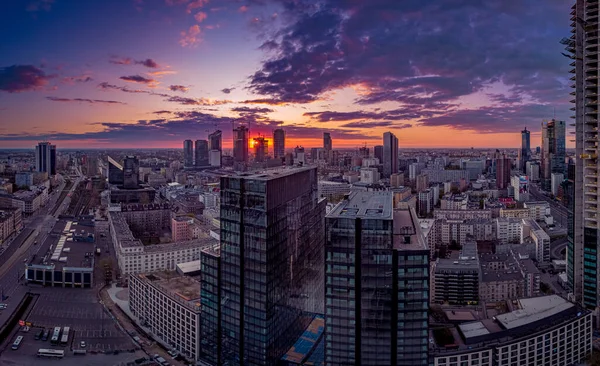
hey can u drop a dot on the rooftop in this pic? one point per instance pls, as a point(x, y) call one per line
point(299, 352)
point(407, 232)
point(366, 205)
point(267, 174)
point(532, 310)
point(183, 289)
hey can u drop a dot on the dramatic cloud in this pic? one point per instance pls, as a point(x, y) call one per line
point(162, 112)
point(251, 110)
point(407, 112)
point(179, 88)
point(80, 100)
point(227, 90)
point(20, 78)
point(192, 37)
point(195, 4)
point(139, 79)
point(415, 52)
point(150, 63)
point(194, 101)
point(77, 79)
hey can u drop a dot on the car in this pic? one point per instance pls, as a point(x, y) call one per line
point(45, 335)
point(3, 306)
point(39, 335)
point(172, 353)
point(82, 344)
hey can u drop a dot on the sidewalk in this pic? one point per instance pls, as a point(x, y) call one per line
point(116, 300)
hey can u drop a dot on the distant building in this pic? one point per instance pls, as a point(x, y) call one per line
point(377, 284)
point(261, 149)
point(553, 150)
point(390, 154)
point(425, 202)
point(45, 158)
point(422, 182)
point(503, 165)
point(215, 148)
point(240, 148)
point(556, 179)
point(188, 153)
point(279, 143)
point(378, 152)
point(327, 142)
point(201, 153)
point(525, 149)
point(456, 281)
point(131, 172)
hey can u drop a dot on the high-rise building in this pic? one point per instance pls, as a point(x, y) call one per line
point(45, 158)
point(299, 155)
point(378, 152)
point(583, 270)
point(390, 154)
point(115, 172)
point(363, 152)
point(525, 148)
point(188, 153)
point(553, 151)
point(240, 147)
point(215, 148)
point(131, 172)
point(327, 142)
point(278, 143)
point(201, 153)
point(377, 284)
point(261, 149)
point(503, 165)
point(271, 266)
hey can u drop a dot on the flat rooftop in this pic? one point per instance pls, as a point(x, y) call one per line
point(68, 245)
point(532, 310)
point(366, 205)
point(184, 289)
point(273, 173)
point(407, 231)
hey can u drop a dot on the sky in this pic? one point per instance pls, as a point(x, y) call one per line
point(152, 73)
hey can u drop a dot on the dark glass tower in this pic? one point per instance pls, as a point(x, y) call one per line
point(553, 151)
point(188, 153)
point(377, 284)
point(201, 153)
point(390, 154)
point(240, 148)
point(131, 172)
point(525, 149)
point(45, 158)
point(279, 143)
point(271, 264)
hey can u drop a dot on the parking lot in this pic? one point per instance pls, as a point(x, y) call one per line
point(80, 310)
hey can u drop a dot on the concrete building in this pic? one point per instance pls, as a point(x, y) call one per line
point(425, 202)
point(369, 175)
point(508, 230)
point(422, 182)
point(333, 190)
point(454, 202)
point(538, 210)
point(462, 214)
point(454, 281)
point(11, 222)
point(530, 229)
point(372, 318)
point(533, 171)
point(546, 330)
point(556, 180)
point(397, 180)
point(520, 184)
point(169, 305)
point(443, 175)
point(503, 166)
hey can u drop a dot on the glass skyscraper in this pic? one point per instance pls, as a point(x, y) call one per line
point(390, 154)
point(377, 284)
point(271, 266)
point(553, 151)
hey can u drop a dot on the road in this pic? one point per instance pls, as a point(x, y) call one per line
point(556, 247)
point(557, 210)
point(41, 224)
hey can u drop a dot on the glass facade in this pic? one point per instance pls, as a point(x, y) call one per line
point(210, 295)
point(377, 294)
point(271, 263)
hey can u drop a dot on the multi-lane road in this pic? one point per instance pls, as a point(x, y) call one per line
point(557, 210)
point(25, 246)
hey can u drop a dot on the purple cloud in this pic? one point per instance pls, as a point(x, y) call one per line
point(138, 79)
point(227, 90)
point(179, 88)
point(20, 78)
point(150, 63)
point(251, 110)
point(79, 100)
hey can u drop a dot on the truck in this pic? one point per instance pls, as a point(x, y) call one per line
point(98, 251)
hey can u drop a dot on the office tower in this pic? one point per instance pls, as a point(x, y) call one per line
point(45, 158)
point(215, 148)
point(240, 148)
point(390, 154)
point(201, 154)
point(327, 143)
point(377, 284)
point(378, 153)
point(261, 149)
point(525, 149)
point(131, 172)
point(363, 152)
point(115, 172)
point(278, 143)
point(188, 153)
point(425, 202)
point(299, 155)
point(503, 165)
point(553, 151)
point(422, 182)
point(272, 270)
point(584, 238)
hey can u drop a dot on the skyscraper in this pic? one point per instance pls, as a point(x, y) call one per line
point(377, 284)
point(188, 153)
point(584, 238)
point(378, 152)
point(279, 143)
point(201, 153)
point(115, 172)
point(215, 148)
point(131, 172)
point(261, 149)
point(327, 142)
point(45, 158)
point(525, 149)
point(553, 151)
point(390, 154)
point(503, 165)
point(240, 147)
point(271, 264)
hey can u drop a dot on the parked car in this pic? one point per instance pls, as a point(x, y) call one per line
point(39, 335)
point(82, 344)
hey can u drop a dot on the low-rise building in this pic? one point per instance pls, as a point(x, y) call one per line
point(169, 305)
point(508, 230)
point(530, 230)
point(538, 210)
point(454, 202)
point(546, 330)
point(10, 222)
point(456, 281)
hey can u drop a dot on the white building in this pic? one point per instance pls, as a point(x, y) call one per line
point(368, 162)
point(169, 305)
point(369, 175)
point(330, 190)
point(214, 157)
point(508, 230)
point(531, 229)
point(538, 210)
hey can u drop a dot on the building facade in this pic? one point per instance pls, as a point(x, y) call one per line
point(278, 143)
point(390, 154)
point(45, 158)
point(188, 153)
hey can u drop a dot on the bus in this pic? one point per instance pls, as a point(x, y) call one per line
point(16, 343)
point(65, 336)
point(55, 335)
point(51, 353)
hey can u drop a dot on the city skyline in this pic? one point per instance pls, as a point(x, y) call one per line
point(164, 71)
